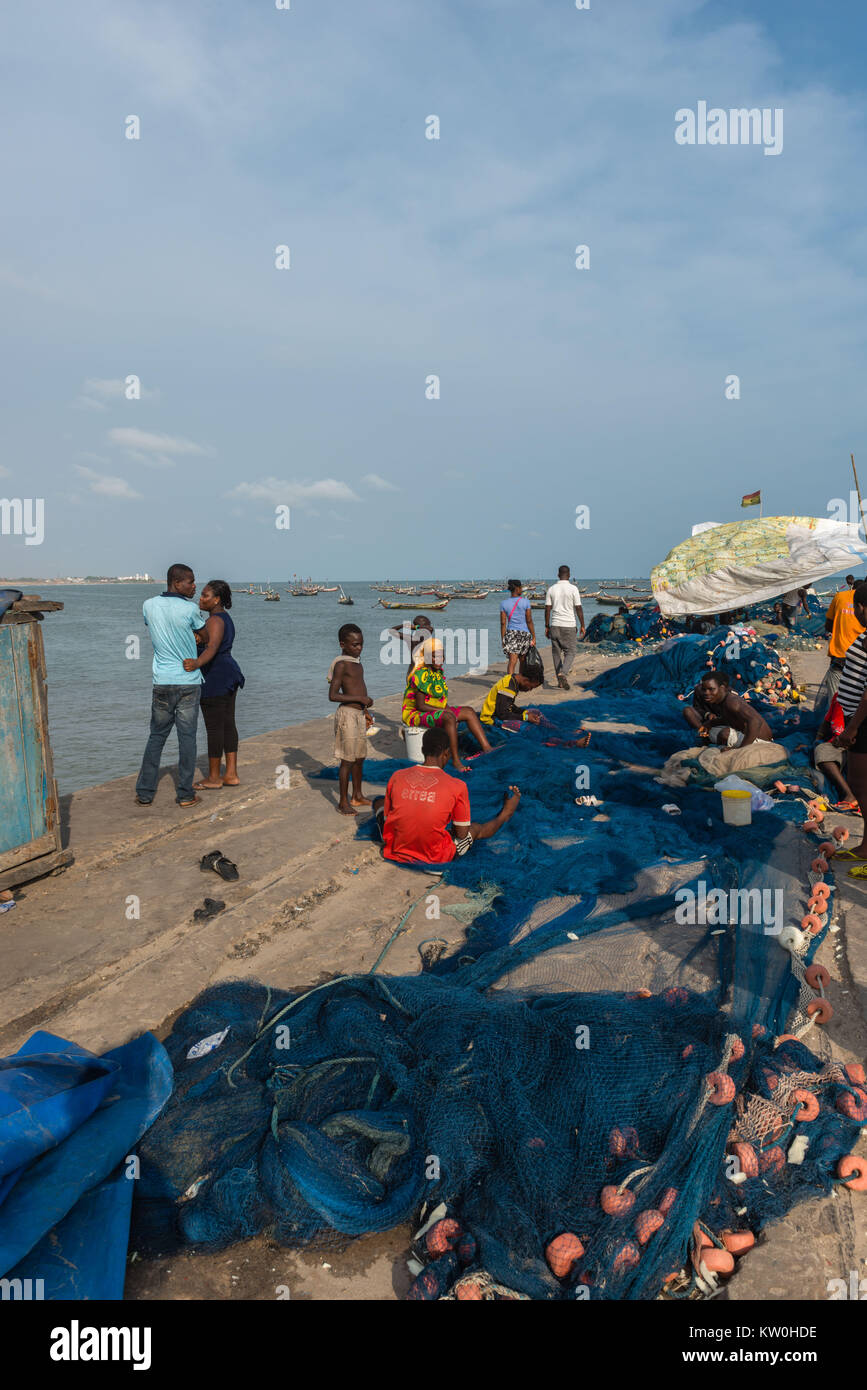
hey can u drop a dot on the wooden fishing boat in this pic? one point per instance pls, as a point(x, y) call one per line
point(482, 593)
point(415, 607)
point(344, 597)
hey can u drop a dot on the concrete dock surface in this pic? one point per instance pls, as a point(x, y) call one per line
point(109, 947)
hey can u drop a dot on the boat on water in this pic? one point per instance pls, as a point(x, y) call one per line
point(432, 607)
point(344, 597)
point(482, 593)
point(328, 588)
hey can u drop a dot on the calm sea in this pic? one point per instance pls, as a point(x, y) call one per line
point(99, 698)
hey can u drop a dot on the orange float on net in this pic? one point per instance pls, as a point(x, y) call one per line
point(469, 1290)
point(667, 1201)
point(811, 923)
point(737, 1050)
point(853, 1106)
point(786, 1037)
point(747, 1159)
point(819, 864)
point(852, 1170)
point(722, 1087)
point(738, 1242)
point(675, 995)
point(759, 1030)
point(821, 1010)
point(817, 977)
point(809, 1107)
point(646, 1222)
point(820, 890)
point(615, 1202)
point(687, 1050)
point(562, 1253)
point(772, 1160)
point(717, 1261)
point(827, 847)
point(818, 903)
point(855, 1073)
point(627, 1257)
point(840, 833)
point(443, 1236)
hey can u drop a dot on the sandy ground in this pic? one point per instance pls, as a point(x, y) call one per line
point(109, 947)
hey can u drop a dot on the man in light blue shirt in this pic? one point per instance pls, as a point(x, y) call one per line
point(172, 619)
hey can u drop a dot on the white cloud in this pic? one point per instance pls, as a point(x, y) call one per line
point(379, 484)
point(157, 450)
point(96, 391)
point(293, 494)
point(105, 485)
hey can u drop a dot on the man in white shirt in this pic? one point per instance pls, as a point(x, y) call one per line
point(562, 608)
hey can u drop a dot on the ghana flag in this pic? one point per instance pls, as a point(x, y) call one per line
point(752, 499)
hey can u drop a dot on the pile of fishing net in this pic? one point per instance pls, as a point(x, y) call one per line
point(603, 1117)
point(585, 1096)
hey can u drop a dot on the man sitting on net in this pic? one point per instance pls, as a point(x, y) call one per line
point(720, 716)
point(424, 817)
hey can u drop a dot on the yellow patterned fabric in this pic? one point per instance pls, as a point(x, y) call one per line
point(737, 544)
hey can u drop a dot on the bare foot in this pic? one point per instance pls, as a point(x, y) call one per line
point(361, 801)
point(462, 767)
point(207, 786)
point(345, 809)
point(231, 781)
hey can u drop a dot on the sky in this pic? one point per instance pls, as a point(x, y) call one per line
point(411, 258)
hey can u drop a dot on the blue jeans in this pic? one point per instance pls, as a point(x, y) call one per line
point(178, 705)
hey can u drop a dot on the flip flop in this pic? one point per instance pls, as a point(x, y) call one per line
point(851, 806)
point(217, 861)
point(210, 907)
point(848, 854)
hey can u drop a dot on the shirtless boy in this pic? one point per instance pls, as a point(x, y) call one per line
point(348, 691)
point(716, 707)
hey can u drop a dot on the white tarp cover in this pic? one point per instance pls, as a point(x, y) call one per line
point(744, 562)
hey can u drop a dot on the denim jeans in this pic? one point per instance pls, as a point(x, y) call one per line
point(178, 705)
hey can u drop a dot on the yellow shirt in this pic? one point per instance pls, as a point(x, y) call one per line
point(502, 694)
point(845, 627)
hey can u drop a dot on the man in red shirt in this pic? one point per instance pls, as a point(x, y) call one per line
point(424, 816)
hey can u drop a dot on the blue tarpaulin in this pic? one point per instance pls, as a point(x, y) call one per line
point(69, 1124)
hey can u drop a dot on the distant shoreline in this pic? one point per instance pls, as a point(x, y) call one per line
point(79, 583)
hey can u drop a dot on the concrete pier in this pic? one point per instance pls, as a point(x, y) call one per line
point(109, 947)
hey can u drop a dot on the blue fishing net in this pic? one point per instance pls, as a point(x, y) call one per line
point(581, 1066)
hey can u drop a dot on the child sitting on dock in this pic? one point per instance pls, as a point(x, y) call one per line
point(348, 690)
point(499, 703)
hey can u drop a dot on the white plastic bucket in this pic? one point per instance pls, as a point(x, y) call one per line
point(737, 807)
point(412, 738)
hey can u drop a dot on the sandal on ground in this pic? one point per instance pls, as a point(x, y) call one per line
point(217, 861)
point(210, 907)
point(846, 806)
point(849, 854)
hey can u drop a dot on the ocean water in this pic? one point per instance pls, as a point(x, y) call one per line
point(99, 697)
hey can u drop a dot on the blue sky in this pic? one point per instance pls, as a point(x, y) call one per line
point(409, 257)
